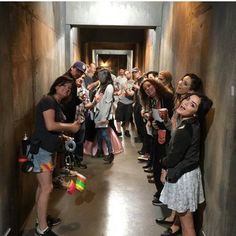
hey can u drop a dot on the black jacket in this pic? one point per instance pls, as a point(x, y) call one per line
point(69, 105)
point(184, 150)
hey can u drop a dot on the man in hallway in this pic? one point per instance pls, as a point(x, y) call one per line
point(77, 71)
point(137, 76)
point(124, 108)
point(89, 79)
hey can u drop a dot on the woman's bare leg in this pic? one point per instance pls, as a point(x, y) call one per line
point(187, 224)
point(176, 225)
point(171, 217)
point(42, 197)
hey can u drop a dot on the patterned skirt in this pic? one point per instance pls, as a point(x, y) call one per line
point(185, 194)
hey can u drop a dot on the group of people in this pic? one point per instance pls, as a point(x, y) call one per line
point(172, 122)
point(75, 99)
point(168, 122)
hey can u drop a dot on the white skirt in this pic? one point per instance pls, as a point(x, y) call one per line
point(185, 194)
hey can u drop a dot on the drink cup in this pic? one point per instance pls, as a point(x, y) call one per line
point(163, 112)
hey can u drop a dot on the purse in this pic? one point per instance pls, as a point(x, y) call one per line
point(28, 166)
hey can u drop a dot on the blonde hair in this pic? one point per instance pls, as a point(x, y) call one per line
point(168, 76)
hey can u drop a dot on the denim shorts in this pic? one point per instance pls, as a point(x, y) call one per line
point(42, 161)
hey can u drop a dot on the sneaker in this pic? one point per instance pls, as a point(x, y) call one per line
point(119, 134)
point(149, 170)
point(151, 180)
point(53, 221)
point(47, 232)
point(141, 152)
point(143, 158)
point(157, 202)
point(150, 176)
point(109, 159)
point(127, 134)
point(146, 166)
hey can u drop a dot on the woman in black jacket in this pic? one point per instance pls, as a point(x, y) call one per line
point(183, 191)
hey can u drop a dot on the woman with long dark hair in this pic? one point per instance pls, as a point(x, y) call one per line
point(182, 190)
point(102, 112)
point(48, 132)
point(189, 83)
point(155, 96)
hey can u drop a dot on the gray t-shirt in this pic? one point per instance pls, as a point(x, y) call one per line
point(124, 98)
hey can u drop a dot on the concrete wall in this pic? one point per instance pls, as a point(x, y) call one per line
point(201, 38)
point(152, 49)
point(114, 13)
point(32, 55)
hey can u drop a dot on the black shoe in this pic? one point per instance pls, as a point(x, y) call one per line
point(157, 202)
point(109, 159)
point(48, 232)
point(127, 134)
point(141, 152)
point(151, 180)
point(53, 221)
point(148, 170)
point(119, 134)
point(143, 158)
point(169, 232)
point(81, 165)
point(146, 166)
point(163, 221)
point(156, 195)
point(150, 176)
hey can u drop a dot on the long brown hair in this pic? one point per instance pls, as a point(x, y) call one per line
point(196, 86)
point(168, 76)
point(161, 91)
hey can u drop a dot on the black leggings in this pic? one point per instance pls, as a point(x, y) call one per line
point(157, 153)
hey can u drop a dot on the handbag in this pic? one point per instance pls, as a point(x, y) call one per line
point(28, 166)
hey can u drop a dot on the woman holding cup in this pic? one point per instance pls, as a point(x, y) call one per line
point(189, 83)
point(183, 190)
point(155, 96)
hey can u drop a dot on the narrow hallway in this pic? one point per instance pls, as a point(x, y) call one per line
point(117, 200)
point(39, 43)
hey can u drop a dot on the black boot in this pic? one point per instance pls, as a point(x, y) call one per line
point(109, 159)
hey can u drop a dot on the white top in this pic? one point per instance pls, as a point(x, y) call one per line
point(102, 110)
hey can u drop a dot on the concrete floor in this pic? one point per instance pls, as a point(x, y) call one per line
point(116, 202)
